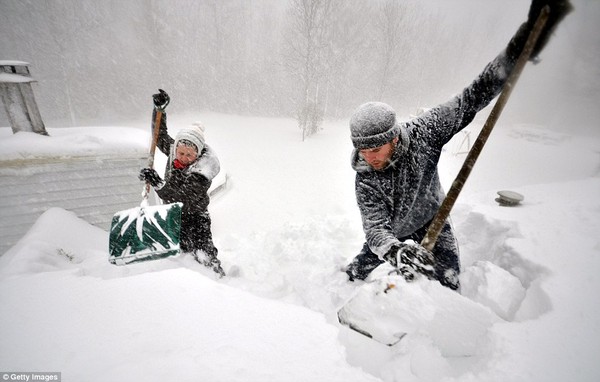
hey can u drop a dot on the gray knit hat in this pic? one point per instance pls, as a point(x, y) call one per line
point(373, 124)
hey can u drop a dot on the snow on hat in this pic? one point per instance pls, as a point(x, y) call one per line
point(373, 124)
point(193, 134)
point(199, 125)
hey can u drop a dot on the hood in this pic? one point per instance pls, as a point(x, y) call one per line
point(207, 164)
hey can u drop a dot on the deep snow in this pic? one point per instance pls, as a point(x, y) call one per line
point(284, 227)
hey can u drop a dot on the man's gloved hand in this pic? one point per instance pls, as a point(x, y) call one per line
point(161, 100)
point(559, 9)
point(150, 175)
point(413, 260)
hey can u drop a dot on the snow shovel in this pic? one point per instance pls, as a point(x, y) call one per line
point(146, 232)
point(388, 324)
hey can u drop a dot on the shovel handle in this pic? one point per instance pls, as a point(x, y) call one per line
point(155, 132)
point(438, 221)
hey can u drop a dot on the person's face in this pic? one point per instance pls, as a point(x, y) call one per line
point(379, 157)
point(186, 154)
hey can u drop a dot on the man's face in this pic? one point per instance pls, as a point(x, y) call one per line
point(379, 157)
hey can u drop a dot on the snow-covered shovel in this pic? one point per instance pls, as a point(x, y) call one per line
point(146, 232)
point(388, 308)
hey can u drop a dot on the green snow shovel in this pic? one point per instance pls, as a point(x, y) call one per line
point(146, 232)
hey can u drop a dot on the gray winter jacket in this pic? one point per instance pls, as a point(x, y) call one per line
point(405, 196)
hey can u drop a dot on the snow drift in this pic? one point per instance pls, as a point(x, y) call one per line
point(284, 227)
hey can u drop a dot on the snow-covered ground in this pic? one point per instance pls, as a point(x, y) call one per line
point(284, 227)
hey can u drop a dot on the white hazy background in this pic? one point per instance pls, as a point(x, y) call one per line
point(288, 220)
point(100, 61)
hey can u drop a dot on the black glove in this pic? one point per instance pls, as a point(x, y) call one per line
point(149, 175)
point(414, 260)
point(558, 10)
point(161, 99)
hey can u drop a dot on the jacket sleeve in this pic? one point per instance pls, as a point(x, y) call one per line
point(376, 215)
point(438, 125)
point(446, 120)
point(441, 123)
point(164, 140)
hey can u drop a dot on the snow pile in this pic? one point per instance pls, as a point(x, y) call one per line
point(170, 325)
point(284, 227)
point(492, 286)
point(389, 310)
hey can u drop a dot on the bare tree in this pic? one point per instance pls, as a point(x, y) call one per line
point(389, 27)
point(348, 39)
point(305, 57)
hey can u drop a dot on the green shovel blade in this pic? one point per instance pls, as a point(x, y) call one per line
point(145, 233)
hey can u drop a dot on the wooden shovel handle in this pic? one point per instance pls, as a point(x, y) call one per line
point(155, 133)
point(438, 221)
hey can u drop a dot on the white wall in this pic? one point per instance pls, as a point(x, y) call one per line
point(94, 188)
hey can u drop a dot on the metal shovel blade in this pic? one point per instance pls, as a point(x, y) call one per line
point(145, 233)
point(376, 311)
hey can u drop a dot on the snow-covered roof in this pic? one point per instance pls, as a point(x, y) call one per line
point(13, 63)
point(73, 142)
point(14, 78)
